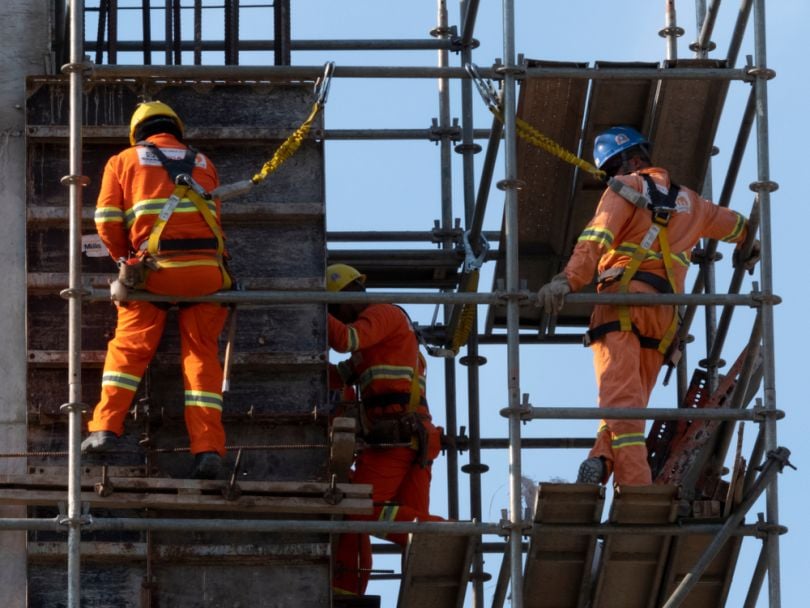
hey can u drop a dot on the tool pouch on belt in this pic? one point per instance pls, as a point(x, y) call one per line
point(132, 272)
point(402, 428)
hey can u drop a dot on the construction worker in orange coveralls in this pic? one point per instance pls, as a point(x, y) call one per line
point(633, 253)
point(166, 231)
point(389, 370)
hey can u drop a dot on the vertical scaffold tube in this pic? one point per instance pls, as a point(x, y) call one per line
point(512, 310)
point(442, 31)
point(763, 187)
point(75, 182)
point(469, 13)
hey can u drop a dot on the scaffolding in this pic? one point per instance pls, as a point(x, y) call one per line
point(440, 277)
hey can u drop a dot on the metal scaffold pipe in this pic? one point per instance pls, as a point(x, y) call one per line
point(286, 73)
point(517, 296)
point(629, 413)
point(777, 460)
point(763, 187)
point(510, 185)
point(468, 149)
point(75, 181)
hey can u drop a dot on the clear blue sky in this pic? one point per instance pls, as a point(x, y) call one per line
point(395, 185)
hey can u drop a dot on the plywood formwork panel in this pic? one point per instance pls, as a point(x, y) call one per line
point(685, 120)
point(611, 101)
point(554, 107)
point(276, 408)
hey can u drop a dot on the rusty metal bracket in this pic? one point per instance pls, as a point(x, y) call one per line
point(105, 487)
point(232, 491)
point(333, 495)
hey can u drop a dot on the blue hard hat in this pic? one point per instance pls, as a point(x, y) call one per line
point(614, 141)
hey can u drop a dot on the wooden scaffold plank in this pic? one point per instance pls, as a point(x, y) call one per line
point(558, 565)
point(631, 565)
point(436, 571)
point(191, 495)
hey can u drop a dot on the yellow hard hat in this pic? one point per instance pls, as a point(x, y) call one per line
point(340, 275)
point(148, 109)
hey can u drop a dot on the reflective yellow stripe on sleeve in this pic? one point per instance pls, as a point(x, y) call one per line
point(108, 214)
point(352, 341)
point(600, 236)
point(738, 228)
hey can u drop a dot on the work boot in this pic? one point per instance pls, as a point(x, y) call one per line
point(102, 441)
point(206, 465)
point(592, 470)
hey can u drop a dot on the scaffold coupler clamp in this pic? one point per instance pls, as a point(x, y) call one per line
point(781, 456)
point(84, 518)
point(323, 82)
point(472, 261)
point(485, 88)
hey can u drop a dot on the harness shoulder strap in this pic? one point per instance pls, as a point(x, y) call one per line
point(174, 166)
point(661, 207)
point(415, 392)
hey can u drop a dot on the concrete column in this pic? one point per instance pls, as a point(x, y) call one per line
point(25, 32)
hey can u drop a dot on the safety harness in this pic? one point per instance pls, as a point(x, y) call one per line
point(397, 419)
point(661, 206)
point(162, 251)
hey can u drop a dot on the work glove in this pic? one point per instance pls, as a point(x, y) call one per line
point(751, 261)
point(551, 296)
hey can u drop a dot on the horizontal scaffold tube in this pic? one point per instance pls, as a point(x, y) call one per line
point(497, 297)
point(329, 527)
point(286, 73)
point(631, 413)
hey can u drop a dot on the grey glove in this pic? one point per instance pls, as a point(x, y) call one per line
point(551, 296)
point(751, 261)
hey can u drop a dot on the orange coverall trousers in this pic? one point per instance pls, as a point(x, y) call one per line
point(401, 492)
point(625, 376)
point(137, 335)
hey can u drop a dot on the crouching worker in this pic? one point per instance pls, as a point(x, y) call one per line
point(163, 229)
point(389, 370)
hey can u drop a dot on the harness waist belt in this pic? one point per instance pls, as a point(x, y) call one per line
point(660, 284)
point(600, 330)
point(382, 401)
point(186, 244)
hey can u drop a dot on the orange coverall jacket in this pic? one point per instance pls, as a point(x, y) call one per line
point(134, 189)
point(384, 353)
point(626, 372)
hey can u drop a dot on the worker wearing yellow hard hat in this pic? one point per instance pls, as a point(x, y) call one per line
point(159, 116)
point(171, 234)
point(389, 371)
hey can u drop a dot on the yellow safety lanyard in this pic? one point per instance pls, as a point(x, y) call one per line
point(416, 389)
